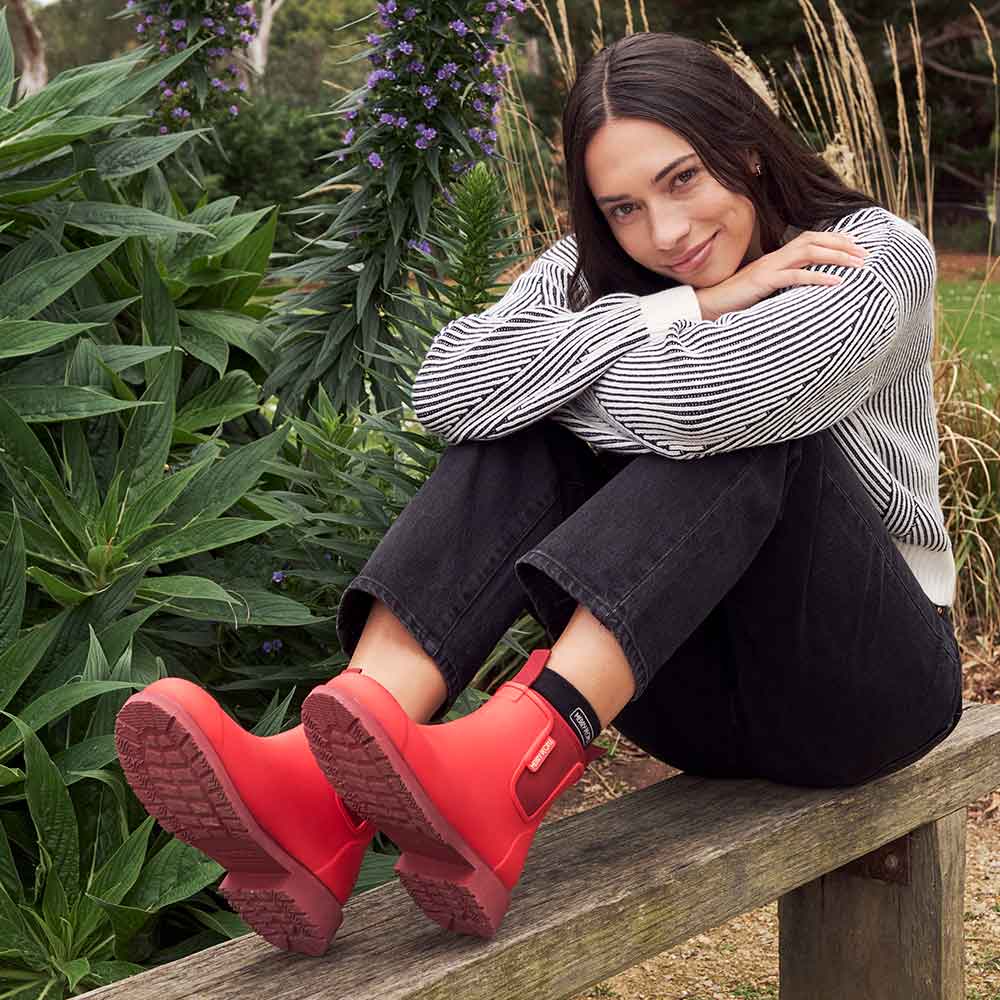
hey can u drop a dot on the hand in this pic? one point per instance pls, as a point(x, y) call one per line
point(784, 267)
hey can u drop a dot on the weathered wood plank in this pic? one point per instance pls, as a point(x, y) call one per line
point(852, 937)
point(604, 889)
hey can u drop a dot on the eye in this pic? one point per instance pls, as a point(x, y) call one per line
point(690, 170)
point(627, 204)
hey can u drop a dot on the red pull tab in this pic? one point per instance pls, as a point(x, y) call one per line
point(532, 667)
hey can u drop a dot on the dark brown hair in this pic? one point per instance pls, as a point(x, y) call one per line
point(685, 85)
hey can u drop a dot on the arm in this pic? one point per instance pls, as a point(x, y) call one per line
point(489, 374)
point(790, 365)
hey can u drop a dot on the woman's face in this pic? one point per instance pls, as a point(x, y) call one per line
point(662, 203)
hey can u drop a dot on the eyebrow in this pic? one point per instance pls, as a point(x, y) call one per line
point(663, 173)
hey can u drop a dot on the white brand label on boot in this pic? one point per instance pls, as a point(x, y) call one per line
point(539, 757)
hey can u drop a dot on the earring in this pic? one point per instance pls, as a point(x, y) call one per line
point(757, 170)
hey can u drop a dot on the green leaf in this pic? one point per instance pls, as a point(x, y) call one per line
point(124, 157)
point(74, 970)
point(51, 810)
point(81, 479)
point(55, 906)
point(126, 220)
point(19, 337)
point(44, 137)
point(175, 873)
point(120, 872)
point(6, 61)
point(15, 192)
point(20, 450)
point(21, 657)
point(112, 99)
point(106, 973)
point(142, 513)
point(227, 481)
point(12, 587)
point(144, 450)
point(238, 330)
point(9, 877)
point(214, 351)
point(53, 705)
point(40, 284)
point(224, 923)
point(233, 395)
point(126, 921)
point(376, 870)
point(253, 606)
point(60, 591)
point(43, 404)
point(223, 236)
point(118, 357)
point(17, 936)
point(205, 535)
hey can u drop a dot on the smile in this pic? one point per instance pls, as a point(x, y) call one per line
point(692, 263)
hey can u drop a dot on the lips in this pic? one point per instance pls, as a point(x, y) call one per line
point(692, 254)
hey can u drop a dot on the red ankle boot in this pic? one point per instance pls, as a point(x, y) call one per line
point(462, 799)
point(259, 806)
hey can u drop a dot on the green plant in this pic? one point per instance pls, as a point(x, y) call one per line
point(426, 112)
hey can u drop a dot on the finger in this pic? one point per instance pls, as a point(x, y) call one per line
point(799, 277)
point(826, 255)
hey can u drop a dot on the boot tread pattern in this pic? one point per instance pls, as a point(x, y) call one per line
point(176, 783)
point(457, 894)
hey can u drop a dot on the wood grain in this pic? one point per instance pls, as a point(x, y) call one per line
point(605, 889)
point(852, 937)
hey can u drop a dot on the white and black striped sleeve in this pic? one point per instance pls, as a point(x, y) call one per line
point(489, 374)
point(788, 366)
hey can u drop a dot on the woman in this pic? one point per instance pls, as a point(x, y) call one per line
point(696, 439)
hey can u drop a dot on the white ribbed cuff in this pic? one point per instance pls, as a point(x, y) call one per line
point(660, 309)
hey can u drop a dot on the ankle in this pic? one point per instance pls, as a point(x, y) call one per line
point(419, 693)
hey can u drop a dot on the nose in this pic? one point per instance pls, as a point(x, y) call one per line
point(670, 231)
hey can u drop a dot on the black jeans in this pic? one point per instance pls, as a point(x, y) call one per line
point(773, 628)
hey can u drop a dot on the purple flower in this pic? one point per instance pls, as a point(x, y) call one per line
point(375, 160)
point(179, 25)
point(406, 48)
point(167, 93)
point(409, 14)
point(233, 110)
point(372, 38)
point(267, 647)
point(164, 130)
point(277, 576)
point(459, 27)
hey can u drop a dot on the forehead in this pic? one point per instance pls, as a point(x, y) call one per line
point(624, 155)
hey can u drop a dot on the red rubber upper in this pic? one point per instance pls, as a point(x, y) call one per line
point(280, 782)
point(494, 773)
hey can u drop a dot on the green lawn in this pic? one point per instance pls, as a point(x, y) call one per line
point(981, 337)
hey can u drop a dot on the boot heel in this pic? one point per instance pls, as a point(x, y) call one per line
point(462, 899)
point(293, 913)
point(181, 781)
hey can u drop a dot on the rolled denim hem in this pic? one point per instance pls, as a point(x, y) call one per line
point(349, 632)
point(599, 608)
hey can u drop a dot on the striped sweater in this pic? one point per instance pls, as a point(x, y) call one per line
point(646, 373)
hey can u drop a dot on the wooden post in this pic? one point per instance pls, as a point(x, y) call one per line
point(887, 926)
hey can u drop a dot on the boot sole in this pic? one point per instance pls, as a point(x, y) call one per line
point(180, 779)
point(445, 877)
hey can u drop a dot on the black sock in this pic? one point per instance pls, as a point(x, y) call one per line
point(569, 703)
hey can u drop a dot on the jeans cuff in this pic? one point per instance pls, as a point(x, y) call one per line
point(352, 614)
point(561, 577)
